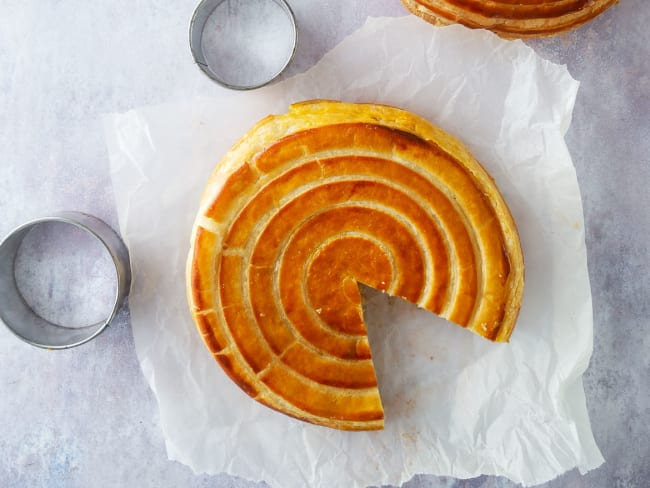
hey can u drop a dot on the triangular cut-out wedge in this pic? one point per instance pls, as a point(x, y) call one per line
point(310, 203)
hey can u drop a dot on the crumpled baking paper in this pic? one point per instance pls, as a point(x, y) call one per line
point(456, 404)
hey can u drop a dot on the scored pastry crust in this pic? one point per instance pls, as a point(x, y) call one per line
point(511, 18)
point(310, 203)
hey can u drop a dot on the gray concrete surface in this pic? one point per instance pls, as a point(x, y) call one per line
point(86, 417)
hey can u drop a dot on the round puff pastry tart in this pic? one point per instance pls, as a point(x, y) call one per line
point(309, 204)
point(511, 18)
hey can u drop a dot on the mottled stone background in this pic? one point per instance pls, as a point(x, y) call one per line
point(85, 417)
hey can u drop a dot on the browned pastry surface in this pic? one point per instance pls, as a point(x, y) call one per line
point(511, 18)
point(309, 204)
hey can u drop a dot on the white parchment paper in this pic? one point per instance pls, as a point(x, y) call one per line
point(456, 404)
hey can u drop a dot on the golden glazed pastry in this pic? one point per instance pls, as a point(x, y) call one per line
point(309, 204)
point(511, 18)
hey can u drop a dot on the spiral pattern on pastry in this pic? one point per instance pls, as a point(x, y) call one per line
point(309, 204)
point(511, 18)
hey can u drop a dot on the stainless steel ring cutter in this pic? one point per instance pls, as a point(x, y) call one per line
point(17, 314)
